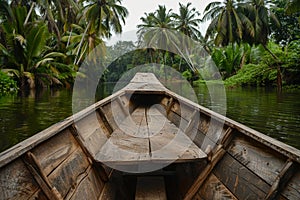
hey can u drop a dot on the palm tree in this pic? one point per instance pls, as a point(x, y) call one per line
point(227, 22)
point(187, 21)
point(259, 13)
point(152, 29)
point(81, 42)
point(103, 17)
point(25, 49)
point(155, 32)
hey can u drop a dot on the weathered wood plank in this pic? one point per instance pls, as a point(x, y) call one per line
point(193, 123)
point(105, 121)
point(150, 188)
point(39, 194)
point(16, 182)
point(215, 129)
point(40, 177)
point(93, 143)
point(243, 183)
point(65, 175)
point(182, 109)
point(54, 151)
point(87, 126)
point(226, 136)
point(170, 146)
point(168, 104)
point(147, 135)
point(219, 153)
point(88, 187)
point(123, 148)
point(213, 188)
point(177, 120)
point(129, 143)
point(123, 107)
point(111, 113)
point(264, 162)
point(292, 190)
point(281, 180)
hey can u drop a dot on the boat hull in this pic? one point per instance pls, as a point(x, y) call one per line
point(145, 135)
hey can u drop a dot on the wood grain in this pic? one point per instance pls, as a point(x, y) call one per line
point(292, 190)
point(54, 151)
point(218, 155)
point(264, 162)
point(147, 135)
point(65, 175)
point(90, 187)
point(242, 182)
point(213, 188)
point(16, 182)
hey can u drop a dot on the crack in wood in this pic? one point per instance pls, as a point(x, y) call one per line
point(148, 133)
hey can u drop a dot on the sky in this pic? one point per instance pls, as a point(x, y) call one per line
point(137, 9)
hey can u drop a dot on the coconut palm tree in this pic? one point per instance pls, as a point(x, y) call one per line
point(58, 14)
point(152, 29)
point(103, 17)
point(259, 13)
point(155, 32)
point(227, 22)
point(187, 21)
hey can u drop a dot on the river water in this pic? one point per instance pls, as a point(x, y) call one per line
point(278, 116)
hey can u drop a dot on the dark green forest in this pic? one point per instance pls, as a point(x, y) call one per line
point(44, 42)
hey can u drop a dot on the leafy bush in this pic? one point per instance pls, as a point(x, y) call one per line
point(252, 74)
point(187, 74)
point(7, 84)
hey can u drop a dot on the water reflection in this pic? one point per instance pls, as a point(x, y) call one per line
point(26, 114)
point(264, 110)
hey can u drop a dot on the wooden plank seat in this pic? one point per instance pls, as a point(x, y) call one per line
point(148, 136)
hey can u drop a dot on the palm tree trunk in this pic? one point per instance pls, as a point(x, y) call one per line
point(29, 13)
point(69, 37)
point(81, 42)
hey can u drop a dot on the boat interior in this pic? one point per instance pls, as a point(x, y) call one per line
point(149, 143)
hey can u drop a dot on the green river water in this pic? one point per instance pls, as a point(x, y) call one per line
point(259, 108)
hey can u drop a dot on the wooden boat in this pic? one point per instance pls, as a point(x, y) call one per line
point(193, 152)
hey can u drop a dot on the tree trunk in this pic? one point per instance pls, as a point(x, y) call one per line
point(80, 44)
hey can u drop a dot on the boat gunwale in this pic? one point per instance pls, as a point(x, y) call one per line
point(22, 147)
point(281, 147)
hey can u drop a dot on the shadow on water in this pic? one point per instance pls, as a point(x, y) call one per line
point(278, 116)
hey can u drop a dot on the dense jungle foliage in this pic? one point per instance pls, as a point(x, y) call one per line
point(44, 42)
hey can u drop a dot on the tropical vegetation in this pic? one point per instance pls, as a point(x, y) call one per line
point(42, 43)
point(253, 39)
point(252, 42)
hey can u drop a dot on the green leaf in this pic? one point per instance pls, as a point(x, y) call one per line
point(36, 40)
